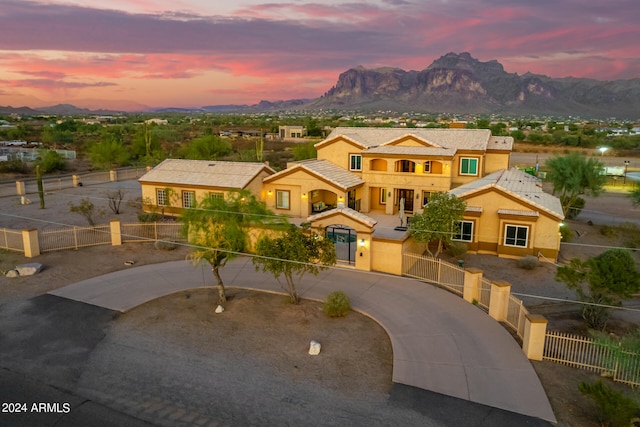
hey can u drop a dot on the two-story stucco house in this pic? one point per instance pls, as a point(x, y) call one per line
point(365, 172)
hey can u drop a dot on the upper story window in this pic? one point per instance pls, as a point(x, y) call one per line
point(355, 162)
point(468, 166)
point(216, 196)
point(426, 168)
point(405, 166)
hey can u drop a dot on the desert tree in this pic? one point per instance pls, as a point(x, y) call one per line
point(439, 222)
point(108, 153)
point(115, 198)
point(218, 228)
point(292, 254)
point(574, 175)
point(87, 209)
point(602, 281)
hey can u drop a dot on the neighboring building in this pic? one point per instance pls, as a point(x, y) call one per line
point(156, 121)
point(292, 132)
point(175, 184)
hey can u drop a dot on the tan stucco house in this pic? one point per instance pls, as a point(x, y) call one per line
point(364, 172)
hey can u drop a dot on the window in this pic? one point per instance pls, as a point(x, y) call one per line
point(405, 166)
point(161, 196)
point(383, 196)
point(468, 166)
point(188, 199)
point(427, 167)
point(282, 199)
point(355, 162)
point(216, 195)
point(425, 197)
point(466, 232)
point(516, 235)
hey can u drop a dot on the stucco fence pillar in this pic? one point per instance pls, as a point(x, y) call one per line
point(113, 176)
point(499, 302)
point(116, 232)
point(30, 243)
point(472, 284)
point(535, 330)
point(20, 188)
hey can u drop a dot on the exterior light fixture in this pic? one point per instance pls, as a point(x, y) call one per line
point(362, 243)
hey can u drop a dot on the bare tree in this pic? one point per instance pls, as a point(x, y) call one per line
point(115, 199)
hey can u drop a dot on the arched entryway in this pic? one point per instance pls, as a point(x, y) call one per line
point(345, 240)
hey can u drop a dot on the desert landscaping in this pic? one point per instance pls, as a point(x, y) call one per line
point(258, 332)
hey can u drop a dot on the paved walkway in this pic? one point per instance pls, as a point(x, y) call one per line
point(440, 342)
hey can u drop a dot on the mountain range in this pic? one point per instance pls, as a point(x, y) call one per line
point(454, 83)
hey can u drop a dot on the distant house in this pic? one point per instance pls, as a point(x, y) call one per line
point(176, 184)
point(292, 132)
point(157, 121)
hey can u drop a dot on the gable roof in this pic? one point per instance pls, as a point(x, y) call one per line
point(348, 212)
point(322, 169)
point(206, 173)
point(461, 139)
point(518, 184)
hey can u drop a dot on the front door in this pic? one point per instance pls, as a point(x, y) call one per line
point(408, 199)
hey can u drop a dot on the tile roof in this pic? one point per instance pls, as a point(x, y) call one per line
point(362, 218)
point(411, 151)
point(466, 139)
point(520, 184)
point(207, 173)
point(324, 169)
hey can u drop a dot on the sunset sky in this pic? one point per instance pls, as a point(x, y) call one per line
point(192, 53)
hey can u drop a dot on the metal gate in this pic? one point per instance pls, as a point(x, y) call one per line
point(344, 239)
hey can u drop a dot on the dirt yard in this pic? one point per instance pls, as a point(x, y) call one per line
point(360, 352)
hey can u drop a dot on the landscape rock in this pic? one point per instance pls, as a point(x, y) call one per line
point(12, 273)
point(29, 269)
point(314, 348)
point(219, 309)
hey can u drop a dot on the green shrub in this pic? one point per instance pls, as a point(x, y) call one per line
point(149, 217)
point(614, 408)
point(631, 233)
point(528, 262)
point(566, 233)
point(337, 304)
point(608, 231)
point(457, 249)
point(165, 245)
